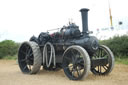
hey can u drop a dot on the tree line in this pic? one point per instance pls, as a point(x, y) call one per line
point(8, 48)
point(118, 45)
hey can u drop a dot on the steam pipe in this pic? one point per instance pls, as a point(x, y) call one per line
point(84, 14)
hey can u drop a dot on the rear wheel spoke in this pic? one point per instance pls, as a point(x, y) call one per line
point(78, 71)
point(23, 52)
point(27, 47)
point(73, 72)
point(29, 52)
point(29, 67)
point(25, 67)
point(68, 67)
point(67, 58)
point(22, 60)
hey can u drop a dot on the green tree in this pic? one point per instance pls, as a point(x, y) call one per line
point(8, 48)
point(118, 44)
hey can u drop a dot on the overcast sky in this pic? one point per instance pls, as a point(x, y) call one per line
point(20, 19)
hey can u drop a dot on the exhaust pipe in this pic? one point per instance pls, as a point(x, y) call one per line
point(84, 14)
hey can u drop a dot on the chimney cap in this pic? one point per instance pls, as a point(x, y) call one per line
point(84, 9)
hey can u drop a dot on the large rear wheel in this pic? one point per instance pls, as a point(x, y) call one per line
point(76, 62)
point(29, 57)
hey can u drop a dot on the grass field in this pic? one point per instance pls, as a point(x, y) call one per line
point(122, 61)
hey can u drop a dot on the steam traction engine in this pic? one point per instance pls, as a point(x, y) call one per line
point(69, 49)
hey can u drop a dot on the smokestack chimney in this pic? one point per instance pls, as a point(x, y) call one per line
point(84, 14)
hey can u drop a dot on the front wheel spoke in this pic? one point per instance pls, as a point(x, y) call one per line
point(78, 55)
point(100, 69)
point(73, 56)
point(104, 68)
point(101, 53)
point(72, 52)
point(73, 60)
point(95, 55)
point(104, 55)
point(76, 58)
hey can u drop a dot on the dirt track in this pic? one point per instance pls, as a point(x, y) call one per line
point(10, 74)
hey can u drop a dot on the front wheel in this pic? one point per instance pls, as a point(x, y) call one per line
point(76, 62)
point(102, 62)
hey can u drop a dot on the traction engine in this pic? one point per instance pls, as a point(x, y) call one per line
point(75, 52)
